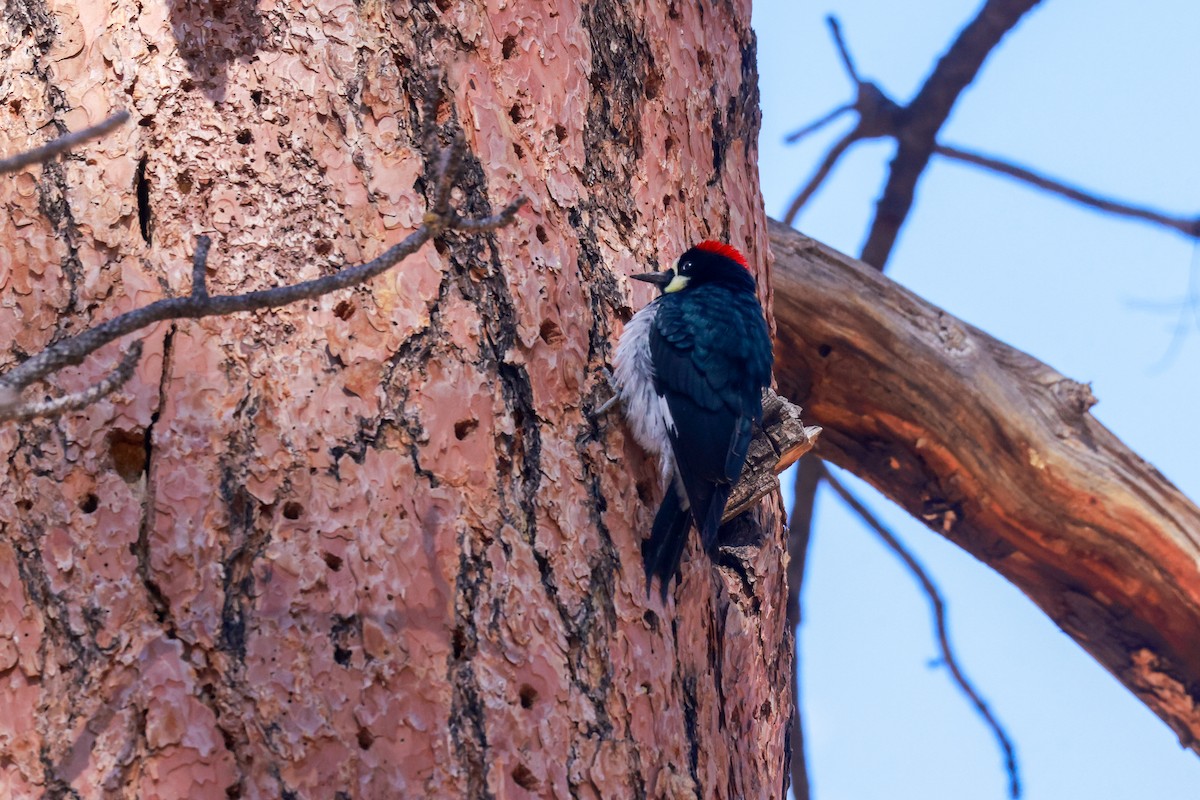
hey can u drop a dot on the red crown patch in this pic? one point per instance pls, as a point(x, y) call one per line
point(722, 249)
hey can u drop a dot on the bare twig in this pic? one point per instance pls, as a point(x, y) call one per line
point(939, 621)
point(1187, 226)
point(814, 183)
point(61, 145)
point(200, 266)
point(836, 30)
point(68, 352)
point(816, 125)
point(12, 408)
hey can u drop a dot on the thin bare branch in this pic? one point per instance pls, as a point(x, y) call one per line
point(820, 175)
point(61, 145)
point(813, 127)
point(200, 266)
point(939, 621)
point(836, 30)
point(67, 352)
point(73, 402)
point(1189, 227)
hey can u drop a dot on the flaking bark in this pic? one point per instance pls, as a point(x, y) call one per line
point(371, 543)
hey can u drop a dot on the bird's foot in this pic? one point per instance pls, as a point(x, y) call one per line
point(610, 402)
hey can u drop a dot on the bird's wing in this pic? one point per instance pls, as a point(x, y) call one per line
point(698, 374)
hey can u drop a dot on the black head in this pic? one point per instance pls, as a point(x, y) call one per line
point(707, 262)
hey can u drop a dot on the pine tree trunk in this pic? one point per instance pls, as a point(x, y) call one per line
point(370, 545)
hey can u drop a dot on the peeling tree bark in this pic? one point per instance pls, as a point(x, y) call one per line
point(998, 452)
point(370, 544)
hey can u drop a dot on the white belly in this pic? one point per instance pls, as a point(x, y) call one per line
point(646, 410)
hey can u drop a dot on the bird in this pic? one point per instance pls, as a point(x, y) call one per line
point(689, 371)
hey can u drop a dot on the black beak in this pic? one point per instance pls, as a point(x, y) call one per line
point(659, 279)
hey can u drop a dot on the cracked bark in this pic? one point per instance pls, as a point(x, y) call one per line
point(375, 543)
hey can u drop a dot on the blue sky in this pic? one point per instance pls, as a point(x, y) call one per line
point(1098, 93)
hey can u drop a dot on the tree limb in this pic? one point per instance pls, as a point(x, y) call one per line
point(925, 115)
point(998, 452)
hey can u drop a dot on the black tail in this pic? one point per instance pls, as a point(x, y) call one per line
point(662, 552)
point(709, 513)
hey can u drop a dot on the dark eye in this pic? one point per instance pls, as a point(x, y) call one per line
point(685, 268)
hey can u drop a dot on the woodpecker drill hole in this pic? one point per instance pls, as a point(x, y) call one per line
point(528, 696)
point(550, 333)
point(508, 47)
point(344, 310)
point(292, 509)
point(514, 113)
point(541, 234)
point(128, 450)
point(89, 504)
point(183, 182)
point(464, 427)
point(560, 132)
point(244, 137)
point(341, 655)
point(332, 561)
point(524, 778)
point(365, 739)
point(323, 247)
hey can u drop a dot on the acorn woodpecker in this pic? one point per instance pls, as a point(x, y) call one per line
point(690, 369)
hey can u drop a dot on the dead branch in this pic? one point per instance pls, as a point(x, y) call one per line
point(1187, 226)
point(782, 439)
point(998, 452)
point(440, 218)
point(914, 126)
point(938, 606)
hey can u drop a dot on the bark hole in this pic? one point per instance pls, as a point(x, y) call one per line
point(524, 778)
point(142, 189)
point(540, 232)
point(89, 504)
point(560, 132)
point(464, 427)
point(514, 113)
point(183, 182)
point(332, 561)
point(244, 136)
point(128, 452)
point(528, 696)
point(292, 509)
point(550, 333)
point(365, 739)
point(509, 46)
point(344, 310)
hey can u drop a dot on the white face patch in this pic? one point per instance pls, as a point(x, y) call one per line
point(677, 283)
